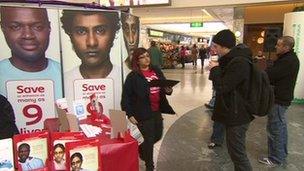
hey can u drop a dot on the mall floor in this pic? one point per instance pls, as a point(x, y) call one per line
point(187, 134)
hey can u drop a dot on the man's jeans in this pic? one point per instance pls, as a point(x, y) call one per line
point(277, 134)
point(236, 145)
point(218, 133)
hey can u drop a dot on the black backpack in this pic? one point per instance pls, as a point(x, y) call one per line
point(261, 94)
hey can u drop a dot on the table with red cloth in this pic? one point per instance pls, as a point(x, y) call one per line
point(118, 154)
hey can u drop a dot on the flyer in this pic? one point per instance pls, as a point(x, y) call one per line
point(83, 155)
point(57, 146)
point(6, 155)
point(31, 150)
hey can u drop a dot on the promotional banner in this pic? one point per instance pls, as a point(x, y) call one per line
point(103, 88)
point(33, 103)
point(131, 31)
point(91, 49)
point(26, 34)
point(294, 26)
point(42, 44)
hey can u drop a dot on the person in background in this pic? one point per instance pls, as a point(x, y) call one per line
point(260, 55)
point(59, 161)
point(156, 55)
point(203, 56)
point(26, 161)
point(283, 76)
point(144, 104)
point(260, 59)
point(194, 54)
point(231, 81)
point(183, 56)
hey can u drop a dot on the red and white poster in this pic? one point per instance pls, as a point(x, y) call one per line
point(34, 102)
point(91, 49)
point(103, 88)
point(84, 155)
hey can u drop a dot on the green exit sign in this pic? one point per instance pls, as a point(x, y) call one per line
point(196, 24)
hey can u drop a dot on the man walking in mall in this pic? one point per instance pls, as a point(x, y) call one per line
point(231, 81)
point(283, 76)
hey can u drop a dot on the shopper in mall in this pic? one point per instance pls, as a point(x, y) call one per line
point(183, 56)
point(144, 104)
point(203, 55)
point(283, 76)
point(194, 54)
point(156, 55)
point(231, 81)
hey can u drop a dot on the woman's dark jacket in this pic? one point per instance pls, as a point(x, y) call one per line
point(231, 81)
point(136, 96)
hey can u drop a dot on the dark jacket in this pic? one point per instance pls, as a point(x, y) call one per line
point(8, 127)
point(283, 76)
point(231, 82)
point(136, 96)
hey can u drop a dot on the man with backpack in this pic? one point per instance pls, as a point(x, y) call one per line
point(283, 76)
point(231, 76)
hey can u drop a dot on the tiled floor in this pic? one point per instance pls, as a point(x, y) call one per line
point(186, 135)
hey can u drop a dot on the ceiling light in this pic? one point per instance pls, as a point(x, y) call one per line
point(206, 12)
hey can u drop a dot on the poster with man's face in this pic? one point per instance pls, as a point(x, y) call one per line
point(30, 71)
point(131, 31)
point(91, 52)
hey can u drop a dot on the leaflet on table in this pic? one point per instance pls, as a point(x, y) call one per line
point(6, 155)
point(58, 141)
point(83, 155)
point(62, 104)
point(135, 133)
point(90, 130)
point(31, 150)
point(79, 109)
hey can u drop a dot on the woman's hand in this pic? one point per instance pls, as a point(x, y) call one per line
point(168, 90)
point(133, 120)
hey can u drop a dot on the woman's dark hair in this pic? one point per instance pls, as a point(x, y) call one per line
point(68, 17)
point(135, 58)
point(77, 155)
point(60, 146)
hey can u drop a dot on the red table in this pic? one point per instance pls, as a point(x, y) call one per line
point(119, 154)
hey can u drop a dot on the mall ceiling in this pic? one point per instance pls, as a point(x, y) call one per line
point(178, 19)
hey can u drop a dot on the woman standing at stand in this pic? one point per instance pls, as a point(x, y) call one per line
point(144, 104)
